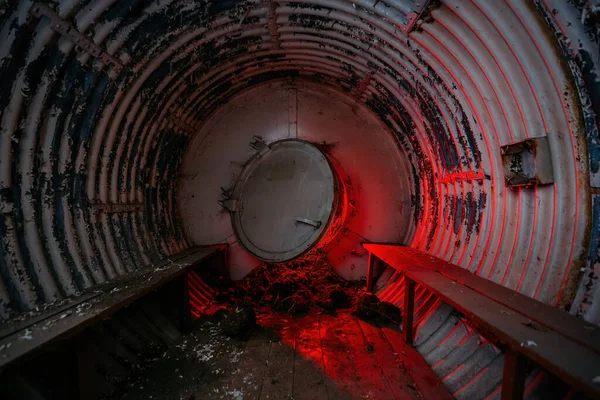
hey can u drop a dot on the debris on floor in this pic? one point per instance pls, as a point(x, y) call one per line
point(282, 323)
point(236, 323)
point(318, 356)
point(297, 287)
point(370, 308)
point(293, 287)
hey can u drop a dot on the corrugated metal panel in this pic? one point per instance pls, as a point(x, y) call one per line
point(477, 75)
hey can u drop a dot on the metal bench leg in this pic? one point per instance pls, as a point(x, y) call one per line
point(87, 376)
point(409, 305)
point(375, 268)
point(513, 380)
point(185, 307)
point(370, 271)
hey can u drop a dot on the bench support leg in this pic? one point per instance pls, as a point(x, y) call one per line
point(370, 272)
point(513, 380)
point(87, 376)
point(409, 305)
point(185, 307)
point(375, 268)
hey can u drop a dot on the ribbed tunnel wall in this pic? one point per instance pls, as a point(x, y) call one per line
point(92, 135)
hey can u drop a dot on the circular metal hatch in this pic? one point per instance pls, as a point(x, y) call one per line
point(286, 195)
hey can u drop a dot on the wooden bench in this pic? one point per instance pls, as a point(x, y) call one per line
point(25, 338)
point(566, 346)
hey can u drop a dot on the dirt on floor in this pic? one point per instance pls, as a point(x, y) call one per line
point(296, 287)
point(293, 287)
point(269, 301)
point(318, 356)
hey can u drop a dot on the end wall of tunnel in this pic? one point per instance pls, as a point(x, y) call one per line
point(100, 100)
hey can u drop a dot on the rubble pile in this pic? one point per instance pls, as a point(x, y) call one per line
point(293, 287)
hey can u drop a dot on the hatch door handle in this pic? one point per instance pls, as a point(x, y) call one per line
point(314, 224)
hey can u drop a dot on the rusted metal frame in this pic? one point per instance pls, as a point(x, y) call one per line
point(514, 375)
point(69, 31)
point(272, 23)
point(408, 310)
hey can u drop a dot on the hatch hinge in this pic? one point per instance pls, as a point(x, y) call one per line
point(261, 147)
point(228, 203)
point(81, 41)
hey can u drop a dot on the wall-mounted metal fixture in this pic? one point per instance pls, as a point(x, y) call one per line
point(117, 208)
point(419, 8)
point(82, 42)
point(528, 162)
point(363, 86)
point(227, 202)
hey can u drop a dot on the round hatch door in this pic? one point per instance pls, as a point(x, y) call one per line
point(286, 195)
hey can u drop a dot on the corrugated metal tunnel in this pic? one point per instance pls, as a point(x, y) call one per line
point(123, 121)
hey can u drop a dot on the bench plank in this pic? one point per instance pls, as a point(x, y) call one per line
point(107, 300)
point(573, 362)
point(401, 257)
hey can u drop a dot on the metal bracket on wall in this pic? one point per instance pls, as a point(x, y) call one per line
point(117, 208)
point(419, 7)
point(67, 29)
point(362, 86)
point(528, 162)
point(272, 23)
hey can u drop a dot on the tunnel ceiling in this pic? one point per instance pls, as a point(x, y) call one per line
point(99, 100)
